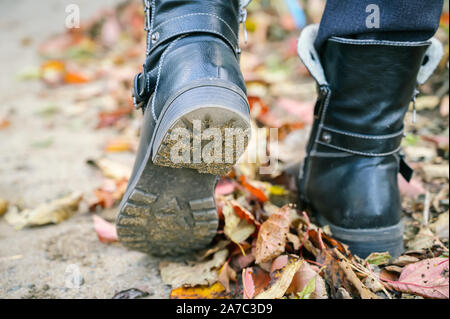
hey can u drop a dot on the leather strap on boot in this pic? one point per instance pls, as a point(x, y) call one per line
point(178, 25)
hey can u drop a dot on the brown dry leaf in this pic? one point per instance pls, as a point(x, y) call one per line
point(3, 206)
point(444, 108)
point(236, 228)
point(338, 273)
point(432, 171)
point(440, 226)
point(404, 260)
point(427, 278)
point(226, 274)
point(424, 240)
point(49, 213)
point(112, 169)
point(108, 194)
point(202, 255)
point(281, 281)
point(363, 291)
point(272, 235)
point(427, 102)
point(303, 277)
point(294, 240)
point(394, 268)
point(204, 273)
point(216, 291)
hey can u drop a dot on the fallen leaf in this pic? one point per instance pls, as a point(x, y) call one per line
point(236, 228)
point(440, 226)
point(404, 260)
point(272, 235)
point(109, 118)
point(303, 278)
point(242, 261)
point(444, 108)
point(343, 294)
point(49, 213)
point(216, 291)
point(106, 231)
point(132, 293)
point(118, 145)
point(338, 273)
point(224, 187)
point(432, 171)
point(205, 273)
point(281, 281)
point(427, 102)
point(202, 255)
point(420, 153)
point(254, 280)
point(423, 240)
point(112, 169)
point(427, 278)
point(378, 258)
point(52, 72)
point(4, 123)
point(226, 274)
point(3, 206)
point(393, 268)
point(294, 240)
point(308, 290)
point(255, 191)
point(243, 213)
point(411, 189)
point(75, 78)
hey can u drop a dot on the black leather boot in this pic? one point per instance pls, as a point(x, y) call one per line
point(349, 176)
point(191, 82)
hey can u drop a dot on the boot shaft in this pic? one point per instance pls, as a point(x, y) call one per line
point(371, 82)
point(169, 19)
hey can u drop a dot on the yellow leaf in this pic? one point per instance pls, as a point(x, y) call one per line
point(216, 291)
point(118, 145)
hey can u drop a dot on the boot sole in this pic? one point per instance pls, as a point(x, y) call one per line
point(363, 242)
point(212, 107)
point(167, 209)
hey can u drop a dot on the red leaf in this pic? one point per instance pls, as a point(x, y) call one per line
point(224, 187)
point(106, 231)
point(427, 278)
point(258, 193)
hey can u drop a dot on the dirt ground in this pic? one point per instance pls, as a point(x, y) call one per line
point(39, 262)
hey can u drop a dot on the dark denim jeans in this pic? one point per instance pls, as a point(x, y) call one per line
point(399, 20)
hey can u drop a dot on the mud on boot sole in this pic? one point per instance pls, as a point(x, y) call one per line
point(168, 211)
point(206, 128)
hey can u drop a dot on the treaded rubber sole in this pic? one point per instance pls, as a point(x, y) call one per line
point(170, 209)
point(210, 124)
point(363, 242)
